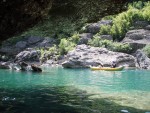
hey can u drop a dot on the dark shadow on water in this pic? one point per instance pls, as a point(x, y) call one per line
point(41, 99)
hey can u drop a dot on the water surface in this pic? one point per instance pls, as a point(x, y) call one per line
point(61, 90)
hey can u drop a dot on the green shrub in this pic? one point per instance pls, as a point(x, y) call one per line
point(146, 12)
point(120, 26)
point(65, 46)
point(124, 21)
point(98, 42)
point(105, 29)
point(74, 38)
point(110, 45)
point(146, 50)
point(95, 42)
point(121, 47)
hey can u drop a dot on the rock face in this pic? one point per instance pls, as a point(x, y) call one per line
point(137, 38)
point(28, 55)
point(86, 56)
point(142, 60)
point(30, 42)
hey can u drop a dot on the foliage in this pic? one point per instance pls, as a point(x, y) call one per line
point(110, 45)
point(95, 42)
point(105, 29)
point(146, 49)
point(74, 38)
point(49, 51)
point(58, 27)
point(124, 21)
point(121, 47)
point(65, 46)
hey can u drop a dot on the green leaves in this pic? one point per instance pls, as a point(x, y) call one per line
point(110, 45)
point(146, 49)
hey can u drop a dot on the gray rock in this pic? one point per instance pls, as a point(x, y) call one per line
point(47, 42)
point(28, 55)
point(147, 27)
point(142, 60)
point(140, 24)
point(4, 65)
point(85, 56)
point(95, 27)
point(84, 38)
point(34, 39)
point(21, 44)
point(137, 36)
point(136, 46)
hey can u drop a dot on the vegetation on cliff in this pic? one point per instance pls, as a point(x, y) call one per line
point(66, 29)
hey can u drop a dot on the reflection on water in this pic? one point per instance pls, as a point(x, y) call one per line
point(59, 90)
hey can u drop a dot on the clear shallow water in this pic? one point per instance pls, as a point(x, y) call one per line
point(74, 90)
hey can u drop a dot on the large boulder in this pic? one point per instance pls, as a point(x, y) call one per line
point(86, 56)
point(142, 60)
point(28, 55)
point(95, 27)
point(137, 38)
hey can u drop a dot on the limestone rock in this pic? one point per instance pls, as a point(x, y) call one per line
point(138, 36)
point(28, 55)
point(86, 56)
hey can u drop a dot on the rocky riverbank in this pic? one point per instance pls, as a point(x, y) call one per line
point(29, 49)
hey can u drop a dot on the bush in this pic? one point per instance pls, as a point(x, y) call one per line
point(65, 46)
point(98, 42)
point(146, 50)
point(124, 21)
point(121, 47)
point(74, 38)
point(95, 42)
point(110, 45)
point(105, 30)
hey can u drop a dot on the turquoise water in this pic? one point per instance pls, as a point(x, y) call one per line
point(58, 90)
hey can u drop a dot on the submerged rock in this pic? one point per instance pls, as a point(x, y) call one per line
point(86, 56)
point(35, 68)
